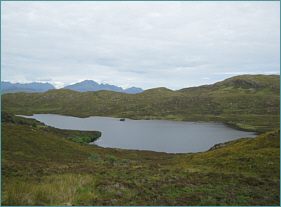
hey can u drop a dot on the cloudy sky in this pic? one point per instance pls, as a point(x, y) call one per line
point(142, 44)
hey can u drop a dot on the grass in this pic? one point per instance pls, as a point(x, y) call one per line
point(259, 156)
point(55, 190)
point(42, 165)
point(39, 167)
point(249, 102)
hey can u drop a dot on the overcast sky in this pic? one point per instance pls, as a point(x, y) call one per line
point(142, 44)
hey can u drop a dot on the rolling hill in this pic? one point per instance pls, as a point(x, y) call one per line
point(250, 84)
point(250, 102)
point(40, 166)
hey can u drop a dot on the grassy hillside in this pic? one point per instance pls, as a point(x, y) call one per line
point(255, 83)
point(250, 102)
point(259, 156)
point(76, 136)
point(41, 167)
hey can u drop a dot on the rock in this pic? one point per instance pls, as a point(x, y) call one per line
point(218, 146)
point(113, 200)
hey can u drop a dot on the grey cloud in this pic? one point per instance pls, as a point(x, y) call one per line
point(143, 43)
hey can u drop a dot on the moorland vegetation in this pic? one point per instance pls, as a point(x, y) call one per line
point(250, 102)
point(42, 165)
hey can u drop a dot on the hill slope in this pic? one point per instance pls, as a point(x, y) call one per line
point(242, 83)
point(260, 156)
point(42, 168)
point(255, 107)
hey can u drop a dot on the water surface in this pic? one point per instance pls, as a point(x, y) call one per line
point(155, 135)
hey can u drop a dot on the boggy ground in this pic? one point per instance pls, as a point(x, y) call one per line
point(40, 166)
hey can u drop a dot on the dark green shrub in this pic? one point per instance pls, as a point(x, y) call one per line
point(76, 140)
point(96, 135)
point(85, 139)
point(34, 124)
point(96, 158)
point(111, 159)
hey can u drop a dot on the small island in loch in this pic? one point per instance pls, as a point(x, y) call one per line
point(43, 165)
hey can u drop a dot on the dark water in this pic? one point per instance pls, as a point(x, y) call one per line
point(155, 135)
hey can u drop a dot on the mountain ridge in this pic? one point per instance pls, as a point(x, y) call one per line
point(255, 109)
point(90, 85)
point(7, 87)
point(247, 81)
point(84, 86)
point(45, 166)
point(19, 89)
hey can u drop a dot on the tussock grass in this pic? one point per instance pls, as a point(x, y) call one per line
point(53, 190)
point(258, 156)
point(39, 168)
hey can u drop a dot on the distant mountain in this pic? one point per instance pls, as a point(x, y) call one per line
point(250, 102)
point(133, 90)
point(17, 89)
point(90, 85)
point(87, 85)
point(7, 87)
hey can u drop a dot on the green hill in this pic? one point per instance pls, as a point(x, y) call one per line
point(253, 81)
point(40, 166)
point(260, 156)
point(249, 101)
point(243, 83)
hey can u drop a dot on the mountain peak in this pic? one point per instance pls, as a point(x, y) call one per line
point(87, 81)
point(90, 85)
point(7, 87)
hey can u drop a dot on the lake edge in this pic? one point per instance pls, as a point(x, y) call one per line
point(142, 120)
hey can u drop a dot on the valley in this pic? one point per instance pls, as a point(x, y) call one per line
point(42, 165)
point(248, 102)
